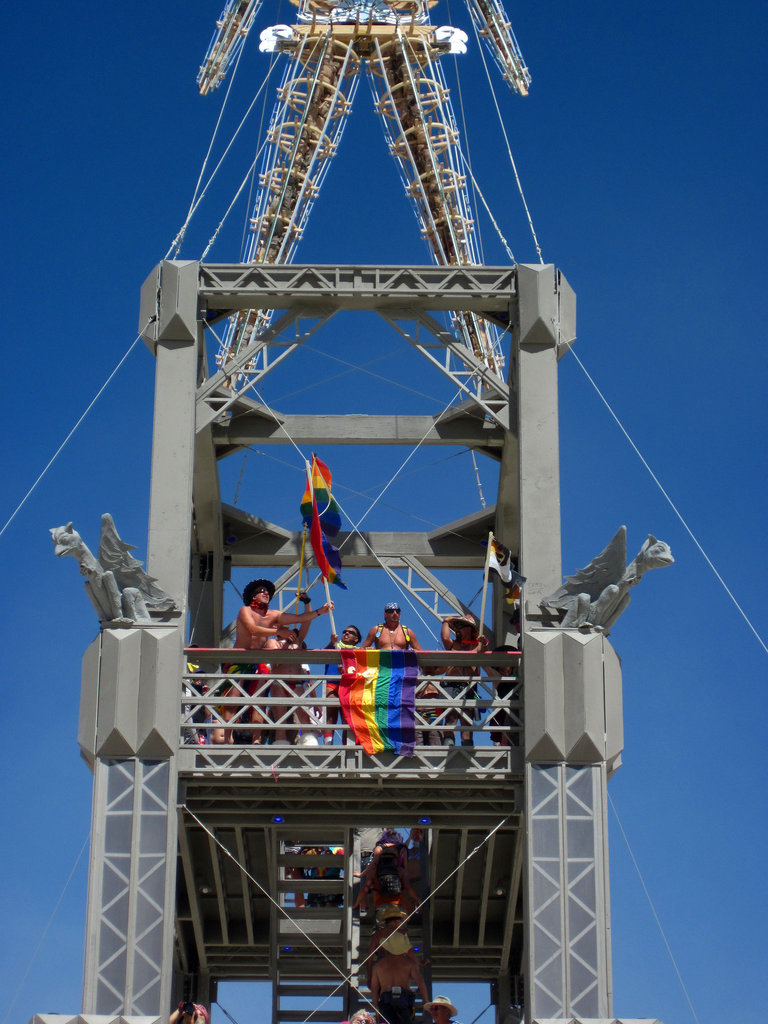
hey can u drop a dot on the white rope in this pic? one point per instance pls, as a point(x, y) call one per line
point(653, 909)
point(231, 206)
point(180, 236)
point(509, 148)
point(354, 367)
point(477, 477)
point(175, 244)
point(64, 443)
point(479, 192)
point(366, 494)
point(671, 503)
point(47, 928)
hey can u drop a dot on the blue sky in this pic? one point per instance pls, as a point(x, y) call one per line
point(642, 153)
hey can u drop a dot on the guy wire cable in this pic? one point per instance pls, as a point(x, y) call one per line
point(509, 148)
point(671, 503)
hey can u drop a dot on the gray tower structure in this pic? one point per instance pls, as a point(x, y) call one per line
point(195, 849)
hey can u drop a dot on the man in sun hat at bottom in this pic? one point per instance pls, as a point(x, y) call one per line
point(441, 1008)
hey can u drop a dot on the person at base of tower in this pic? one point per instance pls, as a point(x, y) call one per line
point(467, 639)
point(391, 991)
point(350, 640)
point(441, 1009)
point(190, 1013)
point(258, 625)
point(361, 1017)
point(390, 635)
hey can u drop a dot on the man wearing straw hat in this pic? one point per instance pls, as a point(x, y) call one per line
point(442, 1010)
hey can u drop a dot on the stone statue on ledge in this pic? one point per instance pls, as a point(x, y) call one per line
point(597, 595)
point(119, 589)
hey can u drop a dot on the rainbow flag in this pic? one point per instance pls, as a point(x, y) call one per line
point(333, 558)
point(376, 690)
point(327, 509)
point(326, 555)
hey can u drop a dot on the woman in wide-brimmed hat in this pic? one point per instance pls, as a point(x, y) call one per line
point(441, 1008)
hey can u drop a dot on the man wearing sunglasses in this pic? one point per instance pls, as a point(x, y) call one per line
point(257, 623)
point(390, 635)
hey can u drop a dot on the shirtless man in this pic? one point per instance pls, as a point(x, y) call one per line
point(391, 987)
point(258, 625)
point(391, 636)
point(390, 936)
point(259, 628)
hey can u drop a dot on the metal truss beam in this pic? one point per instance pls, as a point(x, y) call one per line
point(225, 288)
point(253, 541)
point(473, 378)
point(255, 424)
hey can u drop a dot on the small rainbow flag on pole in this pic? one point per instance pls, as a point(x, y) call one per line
point(377, 694)
point(326, 555)
point(327, 509)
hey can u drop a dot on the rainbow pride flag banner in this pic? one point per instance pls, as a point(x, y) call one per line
point(377, 690)
point(327, 509)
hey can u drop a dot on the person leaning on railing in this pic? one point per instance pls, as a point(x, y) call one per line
point(467, 639)
point(504, 681)
point(349, 641)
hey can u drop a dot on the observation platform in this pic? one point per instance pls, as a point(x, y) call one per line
point(256, 816)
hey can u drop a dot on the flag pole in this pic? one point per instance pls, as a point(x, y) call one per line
point(325, 579)
point(301, 567)
point(485, 581)
point(328, 600)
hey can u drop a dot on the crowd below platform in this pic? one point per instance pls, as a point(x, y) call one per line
point(393, 961)
point(288, 705)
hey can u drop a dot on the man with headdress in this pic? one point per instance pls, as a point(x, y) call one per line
point(257, 624)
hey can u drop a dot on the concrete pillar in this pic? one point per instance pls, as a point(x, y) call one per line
point(132, 737)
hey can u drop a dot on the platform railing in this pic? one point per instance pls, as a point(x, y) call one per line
point(225, 700)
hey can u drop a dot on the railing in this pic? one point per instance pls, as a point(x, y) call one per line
point(226, 700)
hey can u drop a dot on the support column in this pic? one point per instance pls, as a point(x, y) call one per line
point(133, 678)
point(568, 932)
point(537, 431)
point(568, 966)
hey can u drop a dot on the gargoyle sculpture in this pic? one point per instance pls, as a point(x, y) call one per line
point(597, 595)
point(119, 589)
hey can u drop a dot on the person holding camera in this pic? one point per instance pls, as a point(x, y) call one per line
point(190, 1013)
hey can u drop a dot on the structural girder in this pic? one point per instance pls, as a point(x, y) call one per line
point(254, 424)
point(225, 288)
point(254, 541)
